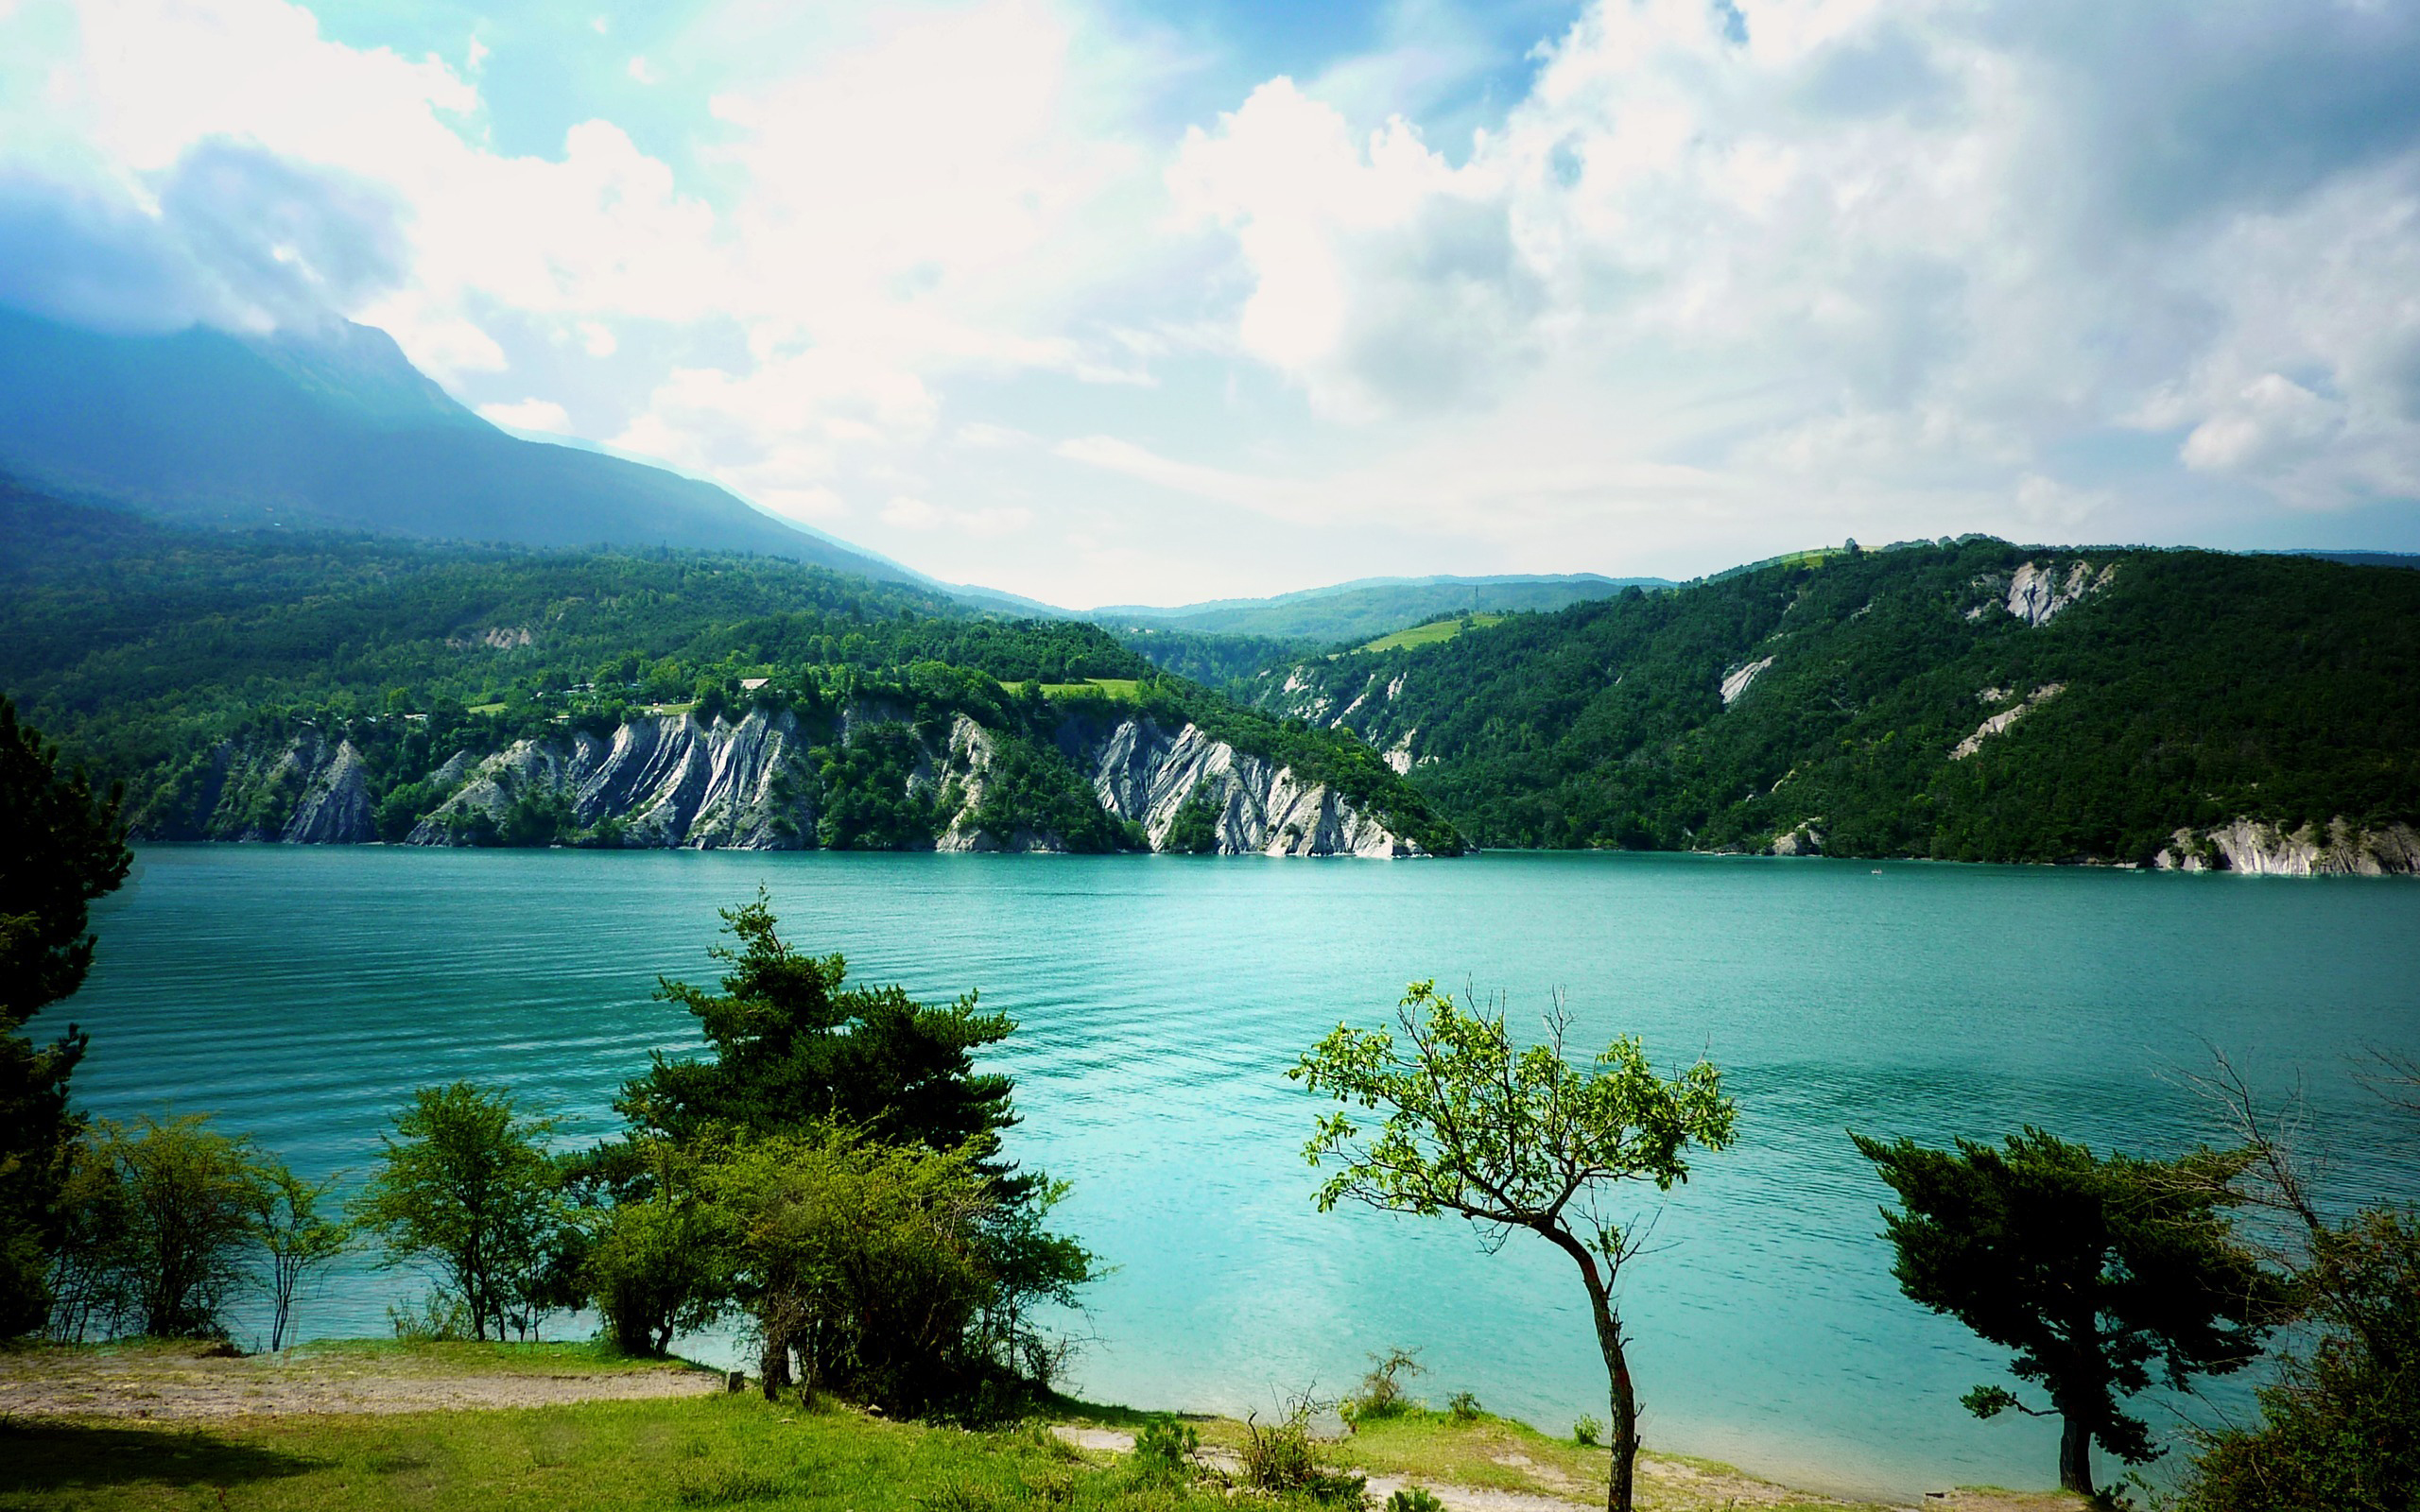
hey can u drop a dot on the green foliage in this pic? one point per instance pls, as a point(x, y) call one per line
point(293, 1235)
point(2093, 1271)
point(1462, 1407)
point(1282, 1459)
point(866, 1259)
point(2340, 1422)
point(1027, 787)
point(1165, 1451)
point(792, 1044)
point(1414, 1499)
point(868, 1097)
point(1381, 1394)
point(1587, 1431)
point(1501, 1136)
point(173, 1226)
point(466, 1186)
point(61, 846)
point(2196, 688)
point(1194, 831)
point(1512, 1140)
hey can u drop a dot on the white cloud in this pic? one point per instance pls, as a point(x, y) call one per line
point(1702, 290)
point(529, 415)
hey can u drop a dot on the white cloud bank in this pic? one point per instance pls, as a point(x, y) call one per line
point(1727, 280)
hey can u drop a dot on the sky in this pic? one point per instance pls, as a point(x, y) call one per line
point(1112, 303)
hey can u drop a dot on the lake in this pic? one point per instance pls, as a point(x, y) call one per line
point(301, 993)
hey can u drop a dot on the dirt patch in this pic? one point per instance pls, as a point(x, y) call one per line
point(160, 1384)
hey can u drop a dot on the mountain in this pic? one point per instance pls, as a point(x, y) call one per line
point(313, 686)
point(1368, 607)
point(1973, 700)
point(337, 429)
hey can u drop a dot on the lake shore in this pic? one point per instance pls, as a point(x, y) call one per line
point(411, 1425)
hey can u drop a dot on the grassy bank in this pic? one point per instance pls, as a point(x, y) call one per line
point(709, 1450)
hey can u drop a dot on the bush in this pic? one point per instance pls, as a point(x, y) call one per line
point(1165, 1449)
point(1381, 1394)
point(1464, 1407)
point(654, 1269)
point(1282, 1459)
point(180, 1232)
point(1587, 1432)
point(1414, 1499)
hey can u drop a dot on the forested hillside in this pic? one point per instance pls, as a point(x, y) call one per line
point(1976, 701)
point(190, 664)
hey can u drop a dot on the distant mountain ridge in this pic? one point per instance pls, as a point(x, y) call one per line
point(1368, 606)
point(339, 429)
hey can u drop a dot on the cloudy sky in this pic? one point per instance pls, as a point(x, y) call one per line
point(1103, 303)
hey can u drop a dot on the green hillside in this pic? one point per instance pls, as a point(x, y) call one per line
point(145, 648)
point(2173, 690)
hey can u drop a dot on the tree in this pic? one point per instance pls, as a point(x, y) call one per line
point(2340, 1423)
point(2091, 1269)
point(465, 1187)
point(1515, 1140)
point(654, 1264)
point(863, 1258)
point(298, 1240)
point(186, 1196)
point(792, 1045)
point(61, 846)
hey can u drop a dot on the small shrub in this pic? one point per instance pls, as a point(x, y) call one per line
point(1464, 1407)
point(1382, 1394)
point(1414, 1499)
point(1164, 1450)
point(1586, 1431)
point(1282, 1459)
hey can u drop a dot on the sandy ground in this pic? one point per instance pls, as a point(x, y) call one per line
point(156, 1384)
point(1662, 1483)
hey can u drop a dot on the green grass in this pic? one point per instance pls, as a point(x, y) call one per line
point(1432, 633)
point(484, 709)
point(639, 1456)
point(1117, 690)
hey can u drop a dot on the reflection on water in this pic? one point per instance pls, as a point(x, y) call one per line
point(303, 993)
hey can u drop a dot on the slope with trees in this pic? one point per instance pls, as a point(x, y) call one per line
point(1969, 700)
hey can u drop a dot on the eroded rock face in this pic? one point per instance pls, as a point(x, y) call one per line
point(2262, 850)
point(335, 808)
point(304, 790)
point(667, 781)
point(1147, 774)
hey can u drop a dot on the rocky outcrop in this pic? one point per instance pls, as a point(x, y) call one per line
point(335, 808)
point(2256, 847)
point(2036, 593)
point(1740, 679)
point(304, 788)
point(664, 781)
point(1148, 775)
point(2006, 717)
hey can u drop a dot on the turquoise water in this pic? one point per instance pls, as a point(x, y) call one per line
point(301, 993)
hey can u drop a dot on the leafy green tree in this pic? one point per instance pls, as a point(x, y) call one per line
point(792, 1044)
point(866, 1260)
point(294, 1235)
point(466, 1188)
point(1514, 1140)
point(2093, 1270)
point(61, 846)
point(795, 1051)
point(186, 1195)
point(655, 1263)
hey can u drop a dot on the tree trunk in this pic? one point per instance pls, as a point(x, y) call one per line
point(1624, 1393)
point(2075, 1455)
point(774, 1363)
